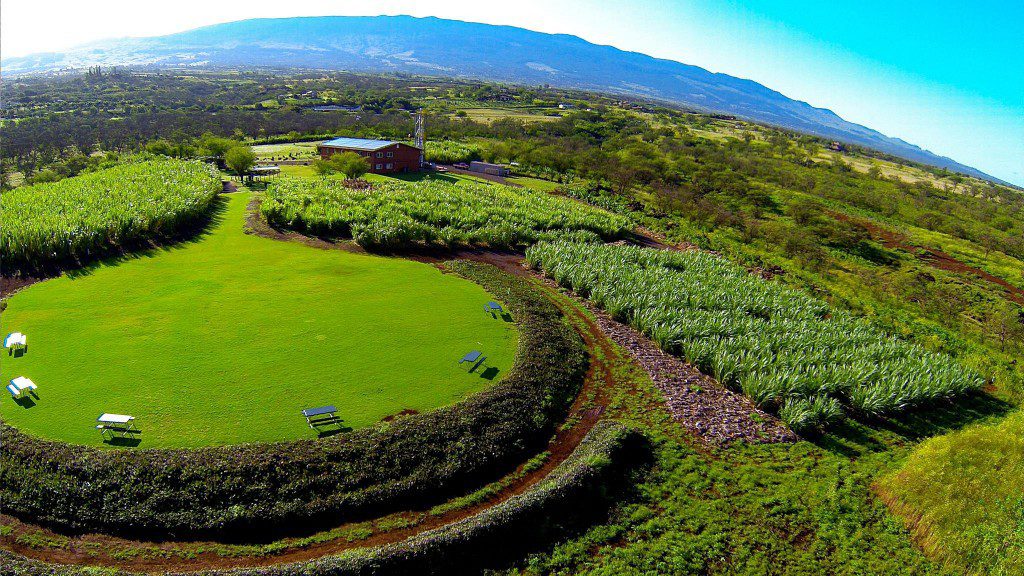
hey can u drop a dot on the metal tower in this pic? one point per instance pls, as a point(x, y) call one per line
point(421, 136)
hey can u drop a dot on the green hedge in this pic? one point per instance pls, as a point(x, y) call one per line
point(578, 492)
point(267, 490)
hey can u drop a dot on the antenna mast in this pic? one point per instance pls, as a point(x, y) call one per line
point(420, 136)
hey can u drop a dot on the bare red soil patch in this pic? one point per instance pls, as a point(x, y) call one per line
point(393, 417)
point(932, 256)
point(10, 285)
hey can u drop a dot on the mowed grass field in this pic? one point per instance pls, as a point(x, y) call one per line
point(492, 114)
point(300, 150)
point(226, 338)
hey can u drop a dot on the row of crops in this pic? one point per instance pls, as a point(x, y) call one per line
point(79, 218)
point(392, 215)
point(450, 151)
point(787, 351)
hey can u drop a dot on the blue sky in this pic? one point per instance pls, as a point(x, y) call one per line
point(948, 76)
point(945, 75)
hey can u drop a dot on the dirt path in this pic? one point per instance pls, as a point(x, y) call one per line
point(712, 414)
point(932, 256)
point(11, 285)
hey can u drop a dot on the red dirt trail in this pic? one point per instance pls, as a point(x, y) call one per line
point(932, 256)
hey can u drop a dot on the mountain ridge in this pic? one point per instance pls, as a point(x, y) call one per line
point(437, 46)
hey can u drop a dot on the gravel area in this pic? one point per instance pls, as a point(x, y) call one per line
point(697, 401)
point(713, 414)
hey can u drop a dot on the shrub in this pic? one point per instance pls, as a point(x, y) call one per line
point(805, 415)
point(577, 492)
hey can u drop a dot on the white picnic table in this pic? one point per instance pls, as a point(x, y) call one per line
point(20, 385)
point(15, 340)
point(115, 423)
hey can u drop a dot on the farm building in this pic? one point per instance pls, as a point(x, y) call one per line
point(486, 168)
point(384, 156)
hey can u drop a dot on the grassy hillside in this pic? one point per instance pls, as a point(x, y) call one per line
point(961, 496)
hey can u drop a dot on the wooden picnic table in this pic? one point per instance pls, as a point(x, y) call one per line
point(20, 386)
point(16, 340)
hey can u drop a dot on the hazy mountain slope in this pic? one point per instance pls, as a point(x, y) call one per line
point(447, 47)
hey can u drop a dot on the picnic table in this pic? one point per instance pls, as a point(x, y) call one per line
point(321, 415)
point(20, 386)
point(493, 308)
point(15, 340)
point(475, 357)
point(116, 424)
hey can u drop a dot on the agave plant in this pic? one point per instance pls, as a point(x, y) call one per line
point(808, 414)
point(86, 215)
point(495, 216)
point(769, 341)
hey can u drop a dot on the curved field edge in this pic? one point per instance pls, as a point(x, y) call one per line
point(577, 492)
point(259, 491)
point(224, 338)
point(960, 496)
point(78, 220)
point(609, 368)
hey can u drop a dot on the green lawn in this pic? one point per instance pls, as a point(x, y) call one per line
point(301, 150)
point(298, 170)
point(226, 338)
point(534, 183)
